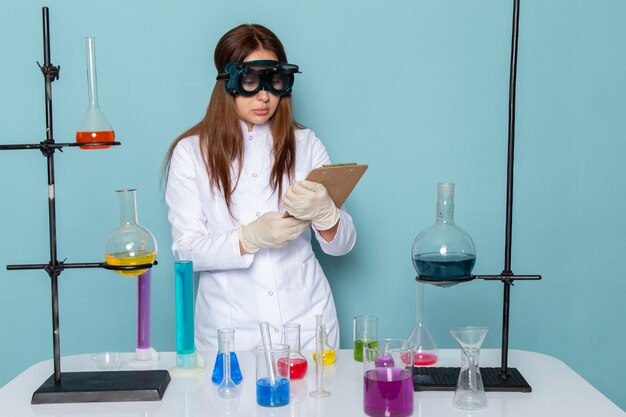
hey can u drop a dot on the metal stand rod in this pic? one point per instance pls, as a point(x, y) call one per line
point(50, 74)
point(509, 191)
point(509, 278)
point(62, 265)
point(47, 146)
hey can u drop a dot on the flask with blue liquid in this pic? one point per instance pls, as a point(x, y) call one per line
point(226, 338)
point(444, 254)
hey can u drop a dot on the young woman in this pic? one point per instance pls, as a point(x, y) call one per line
point(230, 179)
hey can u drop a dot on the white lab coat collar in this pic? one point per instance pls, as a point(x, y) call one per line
point(257, 130)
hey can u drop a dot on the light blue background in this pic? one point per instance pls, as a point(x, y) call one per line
point(416, 89)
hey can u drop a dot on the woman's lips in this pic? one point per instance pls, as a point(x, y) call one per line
point(261, 112)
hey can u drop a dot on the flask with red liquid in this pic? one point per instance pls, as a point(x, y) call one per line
point(94, 126)
point(297, 363)
point(426, 352)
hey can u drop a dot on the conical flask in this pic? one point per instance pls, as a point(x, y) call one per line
point(226, 337)
point(94, 126)
point(130, 244)
point(426, 352)
point(227, 387)
point(444, 254)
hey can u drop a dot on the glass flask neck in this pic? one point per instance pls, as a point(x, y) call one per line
point(292, 337)
point(445, 202)
point(91, 72)
point(226, 340)
point(128, 206)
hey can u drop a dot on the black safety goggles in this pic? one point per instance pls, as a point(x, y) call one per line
point(250, 77)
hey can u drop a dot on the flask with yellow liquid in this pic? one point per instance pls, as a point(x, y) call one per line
point(130, 244)
point(329, 355)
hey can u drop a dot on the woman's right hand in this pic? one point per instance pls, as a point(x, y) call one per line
point(271, 230)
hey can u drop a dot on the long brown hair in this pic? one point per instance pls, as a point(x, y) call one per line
point(221, 142)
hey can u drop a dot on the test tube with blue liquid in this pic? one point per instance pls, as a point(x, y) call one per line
point(186, 357)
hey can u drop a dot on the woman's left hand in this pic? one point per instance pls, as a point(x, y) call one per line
point(308, 200)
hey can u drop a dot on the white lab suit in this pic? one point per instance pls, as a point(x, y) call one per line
point(237, 291)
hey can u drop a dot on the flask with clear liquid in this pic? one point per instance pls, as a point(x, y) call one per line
point(444, 254)
point(130, 244)
point(226, 337)
point(94, 127)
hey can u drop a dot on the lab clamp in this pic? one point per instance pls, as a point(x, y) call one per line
point(102, 386)
point(428, 260)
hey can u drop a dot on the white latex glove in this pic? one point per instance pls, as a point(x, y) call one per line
point(308, 200)
point(271, 230)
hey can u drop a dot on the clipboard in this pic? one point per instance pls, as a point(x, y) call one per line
point(339, 180)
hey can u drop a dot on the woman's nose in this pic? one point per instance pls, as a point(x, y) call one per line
point(263, 95)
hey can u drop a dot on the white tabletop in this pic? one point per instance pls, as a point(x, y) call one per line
point(557, 391)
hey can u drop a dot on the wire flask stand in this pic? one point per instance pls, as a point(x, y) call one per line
point(502, 378)
point(70, 387)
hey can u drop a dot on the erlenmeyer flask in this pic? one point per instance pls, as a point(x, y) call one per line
point(130, 244)
point(94, 126)
point(297, 363)
point(470, 392)
point(227, 387)
point(226, 336)
point(444, 253)
point(425, 347)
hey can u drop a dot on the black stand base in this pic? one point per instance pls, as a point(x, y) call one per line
point(108, 386)
point(445, 379)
